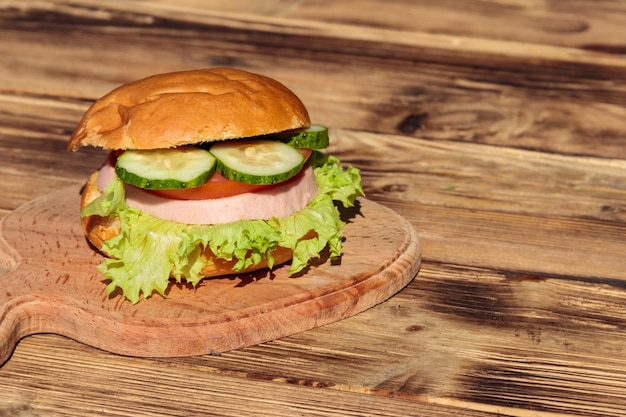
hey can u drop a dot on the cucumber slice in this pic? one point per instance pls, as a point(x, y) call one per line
point(257, 161)
point(164, 169)
point(312, 137)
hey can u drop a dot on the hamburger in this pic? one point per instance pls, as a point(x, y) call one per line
point(210, 172)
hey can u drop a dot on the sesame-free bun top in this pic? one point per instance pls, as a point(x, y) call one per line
point(187, 107)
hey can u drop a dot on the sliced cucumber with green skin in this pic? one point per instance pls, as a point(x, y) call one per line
point(311, 137)
point(257, 161)
point(165, 169)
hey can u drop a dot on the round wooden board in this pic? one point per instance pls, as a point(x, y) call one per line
point(50, 285)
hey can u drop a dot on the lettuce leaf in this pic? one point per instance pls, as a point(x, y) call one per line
point(149, 251)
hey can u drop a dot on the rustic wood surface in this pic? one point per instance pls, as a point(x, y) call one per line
point(495, 127)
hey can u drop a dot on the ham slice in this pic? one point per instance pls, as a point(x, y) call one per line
point(278, 201)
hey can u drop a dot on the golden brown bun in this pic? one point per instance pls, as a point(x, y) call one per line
point(97, 229)
point(189, 107)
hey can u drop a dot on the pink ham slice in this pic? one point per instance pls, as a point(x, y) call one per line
point(278, 201)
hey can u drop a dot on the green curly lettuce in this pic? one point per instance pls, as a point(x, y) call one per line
point(148, 251)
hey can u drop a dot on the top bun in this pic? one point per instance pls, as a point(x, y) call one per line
point(187, 107)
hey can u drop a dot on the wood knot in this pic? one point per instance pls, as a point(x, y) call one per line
point(415, 328)
point(412, 122)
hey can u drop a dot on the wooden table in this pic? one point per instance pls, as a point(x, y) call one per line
point(497, 128)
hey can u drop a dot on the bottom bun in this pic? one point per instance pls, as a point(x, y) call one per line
point(98, 229)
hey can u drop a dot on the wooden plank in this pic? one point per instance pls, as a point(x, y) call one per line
point(384, 80)
point(579, 24)
point(483, 340)
point(34, 131)
point(519, 306)
point(585, 250)
point(501, 208)
point(41, 376)
point(489, 340)
point(483, 178)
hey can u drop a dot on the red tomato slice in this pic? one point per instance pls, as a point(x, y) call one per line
point(217, 187)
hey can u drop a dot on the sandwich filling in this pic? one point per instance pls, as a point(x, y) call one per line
point(277, 201)
point(150, 250)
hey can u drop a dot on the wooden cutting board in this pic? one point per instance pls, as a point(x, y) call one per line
point(50, 285)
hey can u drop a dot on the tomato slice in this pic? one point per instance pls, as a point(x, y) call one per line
point(218, 187)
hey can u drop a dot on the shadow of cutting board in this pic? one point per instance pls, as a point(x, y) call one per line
point(50, 285)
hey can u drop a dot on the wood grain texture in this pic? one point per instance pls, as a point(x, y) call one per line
point(520, 210)
point(468, 339)
point(389, 79)
point(495, 127)
point(489, 340)
point(579, 24)
point(119, 389)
